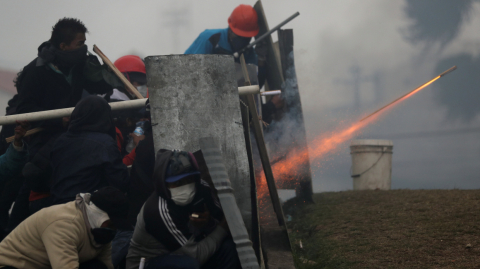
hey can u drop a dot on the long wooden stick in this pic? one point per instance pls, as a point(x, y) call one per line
point(29, 132)
point(262, 149)
point(130, 88)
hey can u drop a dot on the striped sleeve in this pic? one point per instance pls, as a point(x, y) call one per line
point(167, 220)
point(160, 223)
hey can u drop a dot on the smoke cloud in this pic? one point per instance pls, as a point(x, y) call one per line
point(440, 22)
point(286, 133)
point(460, 93)
point(436, 21)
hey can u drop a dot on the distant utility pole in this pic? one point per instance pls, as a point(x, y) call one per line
point(176, 18)
point(376, 79)
point(356, 80)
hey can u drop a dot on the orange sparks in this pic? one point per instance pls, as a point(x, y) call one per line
point(290, 168)
point(287, 169)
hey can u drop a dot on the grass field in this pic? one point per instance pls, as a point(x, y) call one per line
point(387, 229)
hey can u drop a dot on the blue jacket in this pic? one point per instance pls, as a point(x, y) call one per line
point(215, 41)
point(84, 162)
point(12, 162)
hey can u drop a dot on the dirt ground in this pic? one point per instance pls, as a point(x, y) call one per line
point(387, 229)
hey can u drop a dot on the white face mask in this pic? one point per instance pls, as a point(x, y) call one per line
point(183, 195)
point(142, 90)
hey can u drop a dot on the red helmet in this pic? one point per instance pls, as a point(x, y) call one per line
point(130, 63)
point(244, 21)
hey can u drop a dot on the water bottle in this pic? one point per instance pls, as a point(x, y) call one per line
point(139, 129)
point(138, 132)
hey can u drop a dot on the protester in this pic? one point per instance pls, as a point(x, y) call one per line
point(12, 162)
point(72, 235)
point(133, 68)
point(55, 79)
point(58, 76)
point(86, 157)
point(243, 25)
point(181, 224)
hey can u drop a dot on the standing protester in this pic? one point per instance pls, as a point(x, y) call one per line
point(72, 235)
point(57, 77)
point(86, 157)
point(181, 225)
point(243, 25)
point(54, 80)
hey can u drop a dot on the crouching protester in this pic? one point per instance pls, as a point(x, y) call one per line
point(72, 235)
point(181, 225)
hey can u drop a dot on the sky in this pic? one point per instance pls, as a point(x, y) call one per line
point(435, 142)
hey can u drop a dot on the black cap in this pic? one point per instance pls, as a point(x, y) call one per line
point(181, 162)
point(114, 203)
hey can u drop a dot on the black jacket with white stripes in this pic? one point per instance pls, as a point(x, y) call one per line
point(169, 223)
point(163, 227)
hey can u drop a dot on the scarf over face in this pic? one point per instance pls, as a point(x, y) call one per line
point(63, 59)
point(82, 201)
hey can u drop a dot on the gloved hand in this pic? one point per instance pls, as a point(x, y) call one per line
point(277, 101)
point(261, 49)
point(20, 131)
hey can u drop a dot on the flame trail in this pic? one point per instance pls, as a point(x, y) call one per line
point(287, 169)
point(403, 97)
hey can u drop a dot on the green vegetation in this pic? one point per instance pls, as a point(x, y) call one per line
point(387, 229)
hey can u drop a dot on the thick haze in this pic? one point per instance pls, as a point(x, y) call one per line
point(382, 48)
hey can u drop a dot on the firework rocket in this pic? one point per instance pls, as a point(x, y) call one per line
point(405, 96)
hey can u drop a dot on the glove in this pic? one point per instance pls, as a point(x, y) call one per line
point(261, 49)
point(93, 71)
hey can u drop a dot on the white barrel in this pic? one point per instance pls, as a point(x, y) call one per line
point(371, 164)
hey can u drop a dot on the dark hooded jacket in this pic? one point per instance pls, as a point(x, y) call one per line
point(163, 227)
point(86, 157)
point(41, 86)
point(179, 215)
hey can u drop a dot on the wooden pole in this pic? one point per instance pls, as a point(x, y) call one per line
point(29, 132)
point(128, 86)
point(262, 149)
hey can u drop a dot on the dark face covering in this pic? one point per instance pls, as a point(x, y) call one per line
point(92, 114)
point(103, 235)
point(65, 59)
point(238, 42)
point(71, 57)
